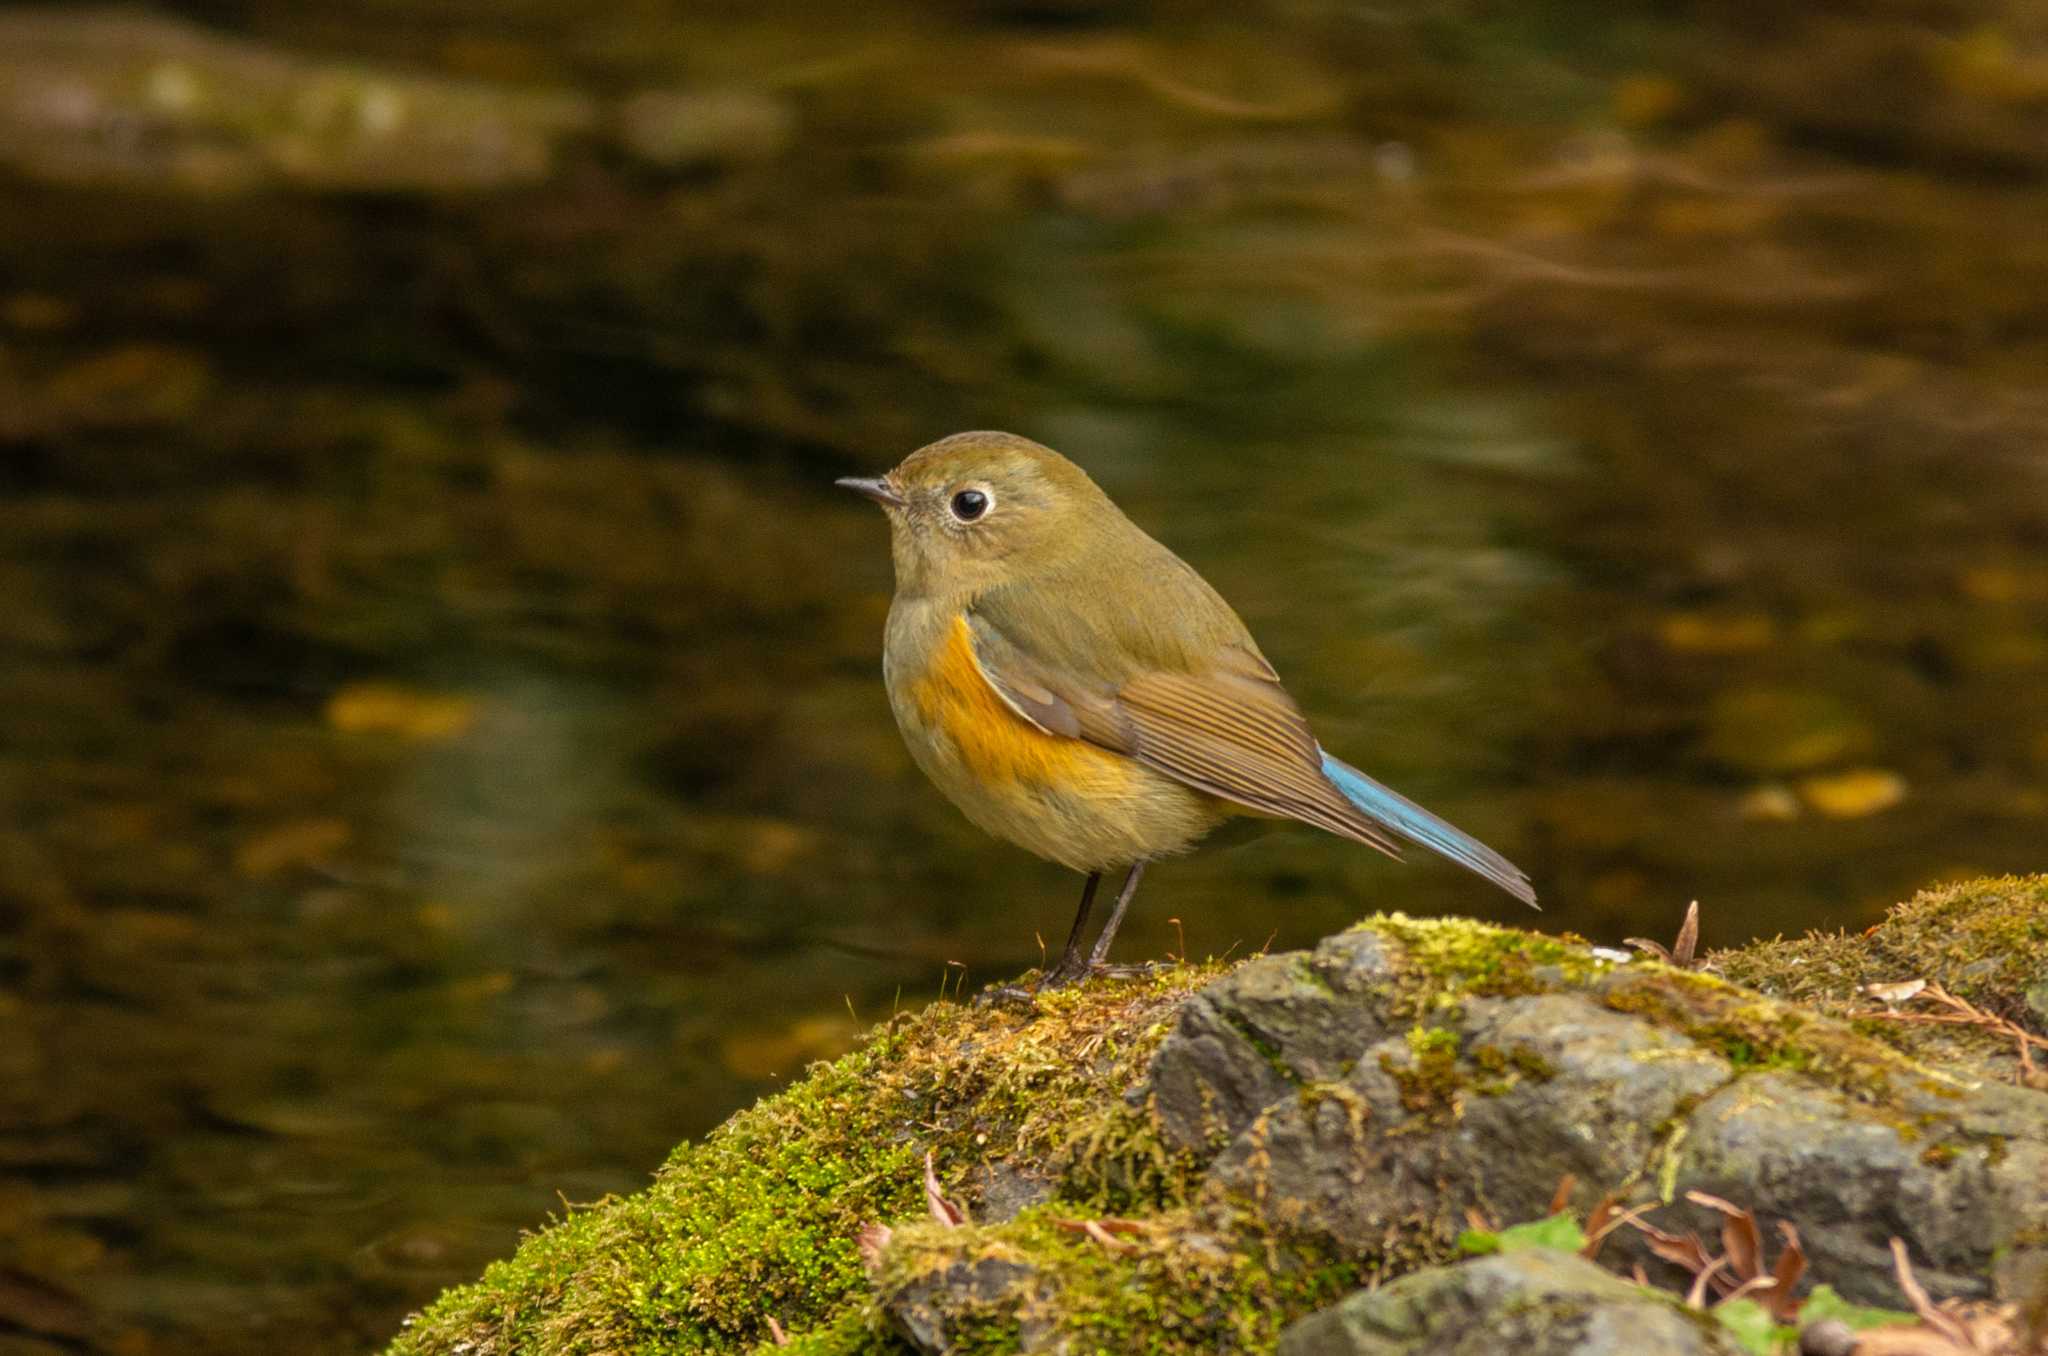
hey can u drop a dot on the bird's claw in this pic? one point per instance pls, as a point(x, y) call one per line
point(1007, 996)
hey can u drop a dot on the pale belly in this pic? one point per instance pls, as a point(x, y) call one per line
point(1063, 799)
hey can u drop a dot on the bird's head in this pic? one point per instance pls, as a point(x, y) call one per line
point(977, 510)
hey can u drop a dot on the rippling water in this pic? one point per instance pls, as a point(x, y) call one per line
point(442, 748)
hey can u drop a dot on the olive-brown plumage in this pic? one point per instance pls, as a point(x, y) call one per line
point(1077, 689)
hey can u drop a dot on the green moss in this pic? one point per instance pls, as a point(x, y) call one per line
point(759, 1219)
point(857, 1332)
point(1447, 960)
point(1985, 941)
point(1115, 1162)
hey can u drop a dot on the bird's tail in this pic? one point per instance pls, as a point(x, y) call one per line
point(1417, 825)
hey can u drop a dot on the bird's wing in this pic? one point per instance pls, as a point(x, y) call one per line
point(1227, 727)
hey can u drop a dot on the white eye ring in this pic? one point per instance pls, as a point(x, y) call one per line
point(971, 503)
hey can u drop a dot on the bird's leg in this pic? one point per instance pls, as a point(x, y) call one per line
point(1116, 915)
point(1071, 965)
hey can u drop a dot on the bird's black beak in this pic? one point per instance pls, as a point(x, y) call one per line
point(877, 489)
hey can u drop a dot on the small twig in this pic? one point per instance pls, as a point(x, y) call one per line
point(1104, 1232)
point(1925, 1309)
point(1783, 1304)
point(1598, 1228)
point(1696, 1298)
point(775, 1332)
point(1753, 1283)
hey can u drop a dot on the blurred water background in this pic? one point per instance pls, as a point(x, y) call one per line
point(443, 759)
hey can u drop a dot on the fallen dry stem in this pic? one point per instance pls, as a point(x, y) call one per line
point(1961, 1012)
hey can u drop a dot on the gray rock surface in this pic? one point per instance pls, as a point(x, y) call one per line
point(1351, 1113)
point(1530, 1303)
point(1537, 1088)
point(1283, 1021)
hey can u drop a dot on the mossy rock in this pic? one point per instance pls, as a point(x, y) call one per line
point(1251, 1142)
point(1985, 941)
point(759, 1220)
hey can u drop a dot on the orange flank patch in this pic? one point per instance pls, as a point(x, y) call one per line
point(996, 744)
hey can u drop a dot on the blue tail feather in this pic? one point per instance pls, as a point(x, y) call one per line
point(1417, 825)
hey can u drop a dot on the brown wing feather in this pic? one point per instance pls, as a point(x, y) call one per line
point(1244, 740)
point(1232, 732)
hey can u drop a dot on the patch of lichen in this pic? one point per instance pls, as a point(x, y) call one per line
point(1504, 1066)
point(1985, 941)
point(1445, 961)
point(758, 1220)
point(1429, 1079)
point(1186, 1281)
point(1754, 1033)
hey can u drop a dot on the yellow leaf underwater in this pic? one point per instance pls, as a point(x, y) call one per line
point(386, 708)
point(1853, 794)
point(1706, 633)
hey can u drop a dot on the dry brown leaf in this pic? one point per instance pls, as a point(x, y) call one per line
point(1688, 936)
point(1782, 1302)
point(1739, 1238)
point(1680, 1250)
point(943, 1210)
point(1680, 952)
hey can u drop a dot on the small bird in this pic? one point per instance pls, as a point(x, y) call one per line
point(1077, 689)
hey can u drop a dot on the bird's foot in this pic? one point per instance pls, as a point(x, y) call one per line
point(1141, 970)
point(1064, 975)
point(1008, 996)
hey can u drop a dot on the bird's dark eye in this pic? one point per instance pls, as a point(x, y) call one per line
point(969, 505)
